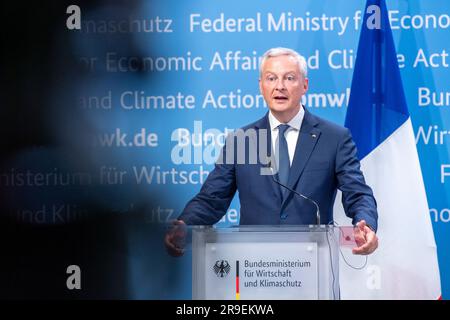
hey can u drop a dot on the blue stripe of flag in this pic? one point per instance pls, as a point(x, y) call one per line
point(377, 105)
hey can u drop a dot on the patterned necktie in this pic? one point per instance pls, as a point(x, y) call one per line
point(284, 164)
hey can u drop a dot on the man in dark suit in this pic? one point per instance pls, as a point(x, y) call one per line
point(307, 154)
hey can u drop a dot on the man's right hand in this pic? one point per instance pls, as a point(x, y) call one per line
point(175, 238)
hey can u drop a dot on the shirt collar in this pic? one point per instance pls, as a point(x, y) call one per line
point(295, 123)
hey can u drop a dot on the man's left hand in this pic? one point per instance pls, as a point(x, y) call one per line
point(365, 238)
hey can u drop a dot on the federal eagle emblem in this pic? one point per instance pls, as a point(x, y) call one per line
point(222, 268)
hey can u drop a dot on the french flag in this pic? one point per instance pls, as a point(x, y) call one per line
point(405, 265)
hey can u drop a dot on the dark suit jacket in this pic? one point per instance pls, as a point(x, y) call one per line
point(325, 160)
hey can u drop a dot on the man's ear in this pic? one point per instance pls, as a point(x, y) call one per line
point(306, 84)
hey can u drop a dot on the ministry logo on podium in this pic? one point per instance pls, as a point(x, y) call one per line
point(221, 268)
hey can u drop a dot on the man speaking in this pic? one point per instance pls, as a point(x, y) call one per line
point(310, 158)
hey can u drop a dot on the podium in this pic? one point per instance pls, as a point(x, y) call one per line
point(265, 262)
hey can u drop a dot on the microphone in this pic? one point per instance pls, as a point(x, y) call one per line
point(297, 193)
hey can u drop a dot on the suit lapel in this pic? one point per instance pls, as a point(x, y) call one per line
point(307, 140)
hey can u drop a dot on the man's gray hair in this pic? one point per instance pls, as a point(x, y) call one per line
point(279, 51)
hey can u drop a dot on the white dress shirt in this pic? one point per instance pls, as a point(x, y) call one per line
point(291, 134)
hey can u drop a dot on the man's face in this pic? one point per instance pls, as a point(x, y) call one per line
point(282, 86)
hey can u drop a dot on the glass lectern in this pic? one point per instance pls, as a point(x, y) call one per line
point(265, 262)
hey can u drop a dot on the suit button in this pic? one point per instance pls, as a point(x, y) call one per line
point(283, 215)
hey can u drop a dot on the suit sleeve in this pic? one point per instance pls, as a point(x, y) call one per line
point(216, 194)
point(357, 197)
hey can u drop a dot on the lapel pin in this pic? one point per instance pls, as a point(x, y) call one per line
point(313, 135)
